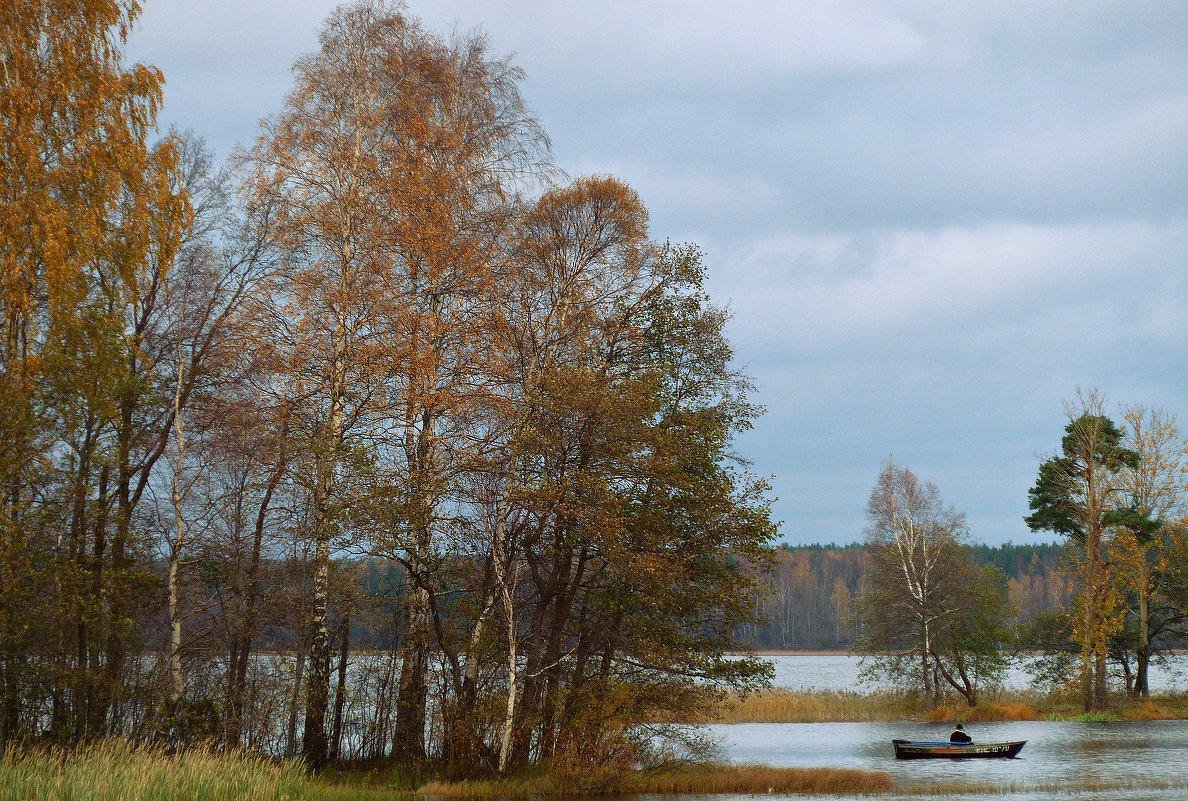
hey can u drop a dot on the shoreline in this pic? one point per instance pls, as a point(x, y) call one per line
point(782, 705)
point(790, 652)
point(806, 653)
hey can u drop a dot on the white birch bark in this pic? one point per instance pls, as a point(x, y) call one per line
point(177, 678)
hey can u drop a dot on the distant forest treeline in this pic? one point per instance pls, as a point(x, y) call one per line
point(809, 604)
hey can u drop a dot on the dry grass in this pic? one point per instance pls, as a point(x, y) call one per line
point(325, 789)
point(789, 706)
point(114, 770)
point(493, 788)
point(986, 711)
point(752, 779)
point(742, 779)
point(1167, 706)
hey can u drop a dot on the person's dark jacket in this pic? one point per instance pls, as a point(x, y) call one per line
point(959, 736)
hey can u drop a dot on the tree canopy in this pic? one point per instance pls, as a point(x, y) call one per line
point(388, 371)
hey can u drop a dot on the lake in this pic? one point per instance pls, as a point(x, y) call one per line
point(1138, 761)
point(840, 672)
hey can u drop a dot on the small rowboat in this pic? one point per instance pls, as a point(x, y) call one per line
point(908, 749)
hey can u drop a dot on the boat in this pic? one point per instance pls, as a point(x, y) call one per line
point(913, 749)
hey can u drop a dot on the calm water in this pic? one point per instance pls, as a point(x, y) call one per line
point(840, 672)
point(1064, 755)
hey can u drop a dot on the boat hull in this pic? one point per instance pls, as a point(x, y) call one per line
point(907, 749)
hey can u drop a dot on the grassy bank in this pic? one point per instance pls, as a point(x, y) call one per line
point(789, 706)
point(115, 771)
point(732, 779)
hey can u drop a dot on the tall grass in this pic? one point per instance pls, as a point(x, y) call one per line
point(116, 771)
point(790, 706)
point(829, 706)
point(752, 779)
point(736, 780)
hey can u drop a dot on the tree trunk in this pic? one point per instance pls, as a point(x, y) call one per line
point(177, 677)
point(242, 645)
point(313, 746)
point(461, 740)
point(1099, 682)
point(344, 647)
point(408, 742)
point(925, 667)
point(1141, 689)
point(294, 700)
point(313, 738)
point(507, 583)
point(87, 685)
point(118, 605)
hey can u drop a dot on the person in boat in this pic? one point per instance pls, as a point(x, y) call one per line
point(959, 735)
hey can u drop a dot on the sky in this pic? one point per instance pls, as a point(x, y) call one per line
point(934, 223)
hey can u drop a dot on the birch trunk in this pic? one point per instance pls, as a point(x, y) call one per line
point(177, 677)
point(340, 691)
point(507, 584)
point(313, 746)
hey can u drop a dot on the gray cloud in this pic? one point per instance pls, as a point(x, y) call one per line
point(933, 221)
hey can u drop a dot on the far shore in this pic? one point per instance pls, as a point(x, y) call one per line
point(781, 705)
point(808, 653)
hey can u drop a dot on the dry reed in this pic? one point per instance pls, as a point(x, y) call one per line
point(113, 771)
point(753, 779)
point(791, 706)
point(494, 788)
point(741, 779)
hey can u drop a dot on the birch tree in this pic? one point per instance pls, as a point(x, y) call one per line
point(1143, 549)
point(317, 163)
point(392, 166)
point(914, 538)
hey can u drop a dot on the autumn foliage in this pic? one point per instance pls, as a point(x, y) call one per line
point(384, 376)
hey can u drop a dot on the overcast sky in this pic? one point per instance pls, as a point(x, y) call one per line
point(933, 222)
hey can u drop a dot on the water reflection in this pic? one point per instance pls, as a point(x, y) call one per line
point(1058, 757)
point(1128, 794)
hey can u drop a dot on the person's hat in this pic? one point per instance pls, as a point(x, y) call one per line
point(959, 726)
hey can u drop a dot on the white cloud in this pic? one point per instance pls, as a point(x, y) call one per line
point(696, 42)
point(933, 220)
point(823, 291)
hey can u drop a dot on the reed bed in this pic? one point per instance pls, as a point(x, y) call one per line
point(881, 706)
point(116, 771)
point(729, 779)
point(495, 788)
point(754, 779)
point(790, 706)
